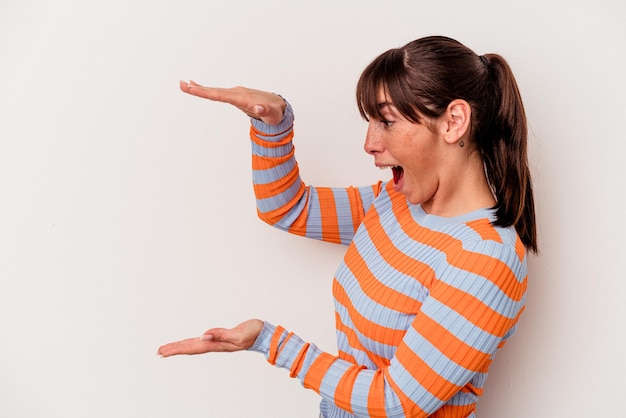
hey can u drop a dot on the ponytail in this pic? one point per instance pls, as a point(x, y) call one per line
point(503, 143)
point(425, 75)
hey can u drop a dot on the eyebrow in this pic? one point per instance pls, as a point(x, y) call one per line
point(388, 107)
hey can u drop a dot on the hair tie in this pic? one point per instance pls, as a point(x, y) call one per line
point(484, 59)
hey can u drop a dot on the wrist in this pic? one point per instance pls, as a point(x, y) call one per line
point(284, 125)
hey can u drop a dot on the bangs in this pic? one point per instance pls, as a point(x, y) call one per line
point(389, 74)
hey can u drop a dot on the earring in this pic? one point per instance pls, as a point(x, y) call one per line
point(461, 144)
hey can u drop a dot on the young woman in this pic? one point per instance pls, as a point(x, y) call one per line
point(434, 278)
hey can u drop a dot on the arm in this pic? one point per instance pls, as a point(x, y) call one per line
point(286, 202)
point(452, 339)
point(470, 310)
point(283, 200)
point(467, 316)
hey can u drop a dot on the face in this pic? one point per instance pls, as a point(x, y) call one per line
point(410, 150)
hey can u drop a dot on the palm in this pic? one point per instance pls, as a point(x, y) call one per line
point(238, 338)
point(257, 104)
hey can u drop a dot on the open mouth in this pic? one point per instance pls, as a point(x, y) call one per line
point(397, 174)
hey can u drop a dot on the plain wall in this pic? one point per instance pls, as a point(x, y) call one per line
point(128, 219)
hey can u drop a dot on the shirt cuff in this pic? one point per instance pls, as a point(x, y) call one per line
point(263, 341)
point(284, 125)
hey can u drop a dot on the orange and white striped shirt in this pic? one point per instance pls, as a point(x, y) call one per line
point(422, 302)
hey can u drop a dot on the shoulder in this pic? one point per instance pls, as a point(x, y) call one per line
point(473, 242)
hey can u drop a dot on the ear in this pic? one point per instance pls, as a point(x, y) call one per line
point(456, 121)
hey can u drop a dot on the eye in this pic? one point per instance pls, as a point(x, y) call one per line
point(386, 123)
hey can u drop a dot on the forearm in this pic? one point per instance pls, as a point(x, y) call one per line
point(349, 386)
point(440, 355)
point(278, 188)
point(286, 202)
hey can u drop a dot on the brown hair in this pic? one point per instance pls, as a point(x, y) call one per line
point(425, 75)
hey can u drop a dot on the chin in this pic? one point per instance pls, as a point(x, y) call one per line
point(413, 200)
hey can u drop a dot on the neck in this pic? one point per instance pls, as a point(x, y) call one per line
point(463, 189)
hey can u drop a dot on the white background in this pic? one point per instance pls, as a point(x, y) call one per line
point(127, 218)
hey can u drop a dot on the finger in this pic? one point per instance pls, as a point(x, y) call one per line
point(188, 346)
point(186, 86)
point(212, 93)
point(254, 103)
point(167, 350)
point(237, 96)
point(170, 349)
point(216, 334)
point(224, 339)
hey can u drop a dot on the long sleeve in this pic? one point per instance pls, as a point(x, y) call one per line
point(445, 351)
point(286, 202)
point(422, 303)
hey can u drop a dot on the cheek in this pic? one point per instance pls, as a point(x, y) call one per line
point(416, 154)
point(403, 145)
point(421, 165)
point(422, 151)
point(413, 144)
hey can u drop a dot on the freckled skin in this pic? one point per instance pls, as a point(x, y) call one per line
point(395, 141)
point(445, 178)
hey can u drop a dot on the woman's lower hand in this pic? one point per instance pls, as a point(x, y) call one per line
point(268, 107)
point(238, 338)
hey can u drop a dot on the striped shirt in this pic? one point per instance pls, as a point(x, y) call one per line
point(422, 302)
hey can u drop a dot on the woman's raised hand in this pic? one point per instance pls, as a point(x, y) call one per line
point(257, 104)
point(239, 338)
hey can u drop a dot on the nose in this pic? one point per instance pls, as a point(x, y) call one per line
point(373, 143)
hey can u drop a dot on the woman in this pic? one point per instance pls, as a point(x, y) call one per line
point(434, 278)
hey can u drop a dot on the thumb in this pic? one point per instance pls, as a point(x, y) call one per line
point(212, 334)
